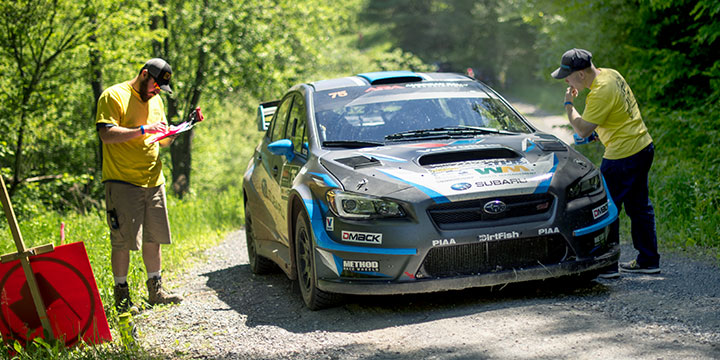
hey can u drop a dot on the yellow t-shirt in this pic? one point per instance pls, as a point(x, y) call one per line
point(134, 161)
point(612, 107)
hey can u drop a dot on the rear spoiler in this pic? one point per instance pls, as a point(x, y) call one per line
point(265, 113)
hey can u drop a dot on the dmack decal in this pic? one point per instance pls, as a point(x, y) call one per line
point(499, 236)
point(365, 238)
point(600, 211)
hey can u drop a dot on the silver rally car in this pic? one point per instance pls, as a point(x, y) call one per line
point(402, 182)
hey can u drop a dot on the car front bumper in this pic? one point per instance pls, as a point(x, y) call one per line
point(426, 285)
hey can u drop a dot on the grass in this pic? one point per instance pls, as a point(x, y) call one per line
point(201, 220)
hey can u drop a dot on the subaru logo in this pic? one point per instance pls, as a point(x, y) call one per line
point(461, 186)
point(494, 207)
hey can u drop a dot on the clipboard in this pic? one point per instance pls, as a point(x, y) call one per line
point(195, 117)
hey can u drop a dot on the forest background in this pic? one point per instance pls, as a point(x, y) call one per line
point(56, 57)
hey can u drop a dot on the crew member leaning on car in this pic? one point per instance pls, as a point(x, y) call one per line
point(611, 110)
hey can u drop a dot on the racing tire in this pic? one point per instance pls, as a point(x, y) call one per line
point(258, 264)
point(314, 298)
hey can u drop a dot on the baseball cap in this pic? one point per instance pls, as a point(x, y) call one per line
point(572, 60)
point(161, 71)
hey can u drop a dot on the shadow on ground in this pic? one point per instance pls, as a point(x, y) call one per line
point(275, 300)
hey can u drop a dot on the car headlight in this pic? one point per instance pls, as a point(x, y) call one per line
point(356, 206)
point(589, 184)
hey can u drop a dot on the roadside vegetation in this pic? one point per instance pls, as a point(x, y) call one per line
point(49, 150)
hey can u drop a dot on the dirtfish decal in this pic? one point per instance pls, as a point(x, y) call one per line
point(499, 236)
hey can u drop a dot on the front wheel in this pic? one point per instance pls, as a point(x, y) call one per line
point(315, 299)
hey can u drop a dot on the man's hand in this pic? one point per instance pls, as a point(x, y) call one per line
point(156, 128)
point(570, 94)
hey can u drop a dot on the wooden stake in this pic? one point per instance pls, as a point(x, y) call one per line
point(23, 254)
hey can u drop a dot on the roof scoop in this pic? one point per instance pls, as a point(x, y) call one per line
point(390, 77)
point(468, 155)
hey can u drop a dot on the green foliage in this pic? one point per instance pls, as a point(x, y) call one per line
point(685, 175)
point(666, 49)
point(488, 35)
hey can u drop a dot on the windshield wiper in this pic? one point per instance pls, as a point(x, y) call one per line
point(445, 132)
point(352, 144)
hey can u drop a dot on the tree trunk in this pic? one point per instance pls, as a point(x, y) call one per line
point(97, 89)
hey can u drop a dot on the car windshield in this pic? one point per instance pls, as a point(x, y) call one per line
point(400, 112)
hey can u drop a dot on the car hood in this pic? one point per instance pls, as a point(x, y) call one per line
point(454, 170)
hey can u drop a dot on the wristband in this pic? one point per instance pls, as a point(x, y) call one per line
point(568, 103)
point(142, 130)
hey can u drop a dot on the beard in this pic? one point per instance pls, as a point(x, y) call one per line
point(144, 95)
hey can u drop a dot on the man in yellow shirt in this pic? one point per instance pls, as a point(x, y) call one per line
point(611, 111)
point(127, 115)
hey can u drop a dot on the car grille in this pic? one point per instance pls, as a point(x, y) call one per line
point(491, 256)
point(467, 214)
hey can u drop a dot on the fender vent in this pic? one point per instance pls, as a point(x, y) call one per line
point(460, 156)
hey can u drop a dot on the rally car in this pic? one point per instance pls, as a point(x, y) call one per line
point(403, 182)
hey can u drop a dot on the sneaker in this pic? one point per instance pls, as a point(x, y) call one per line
point(123, 303)
point(157, 294)
point(634, 267)
point(610, 274)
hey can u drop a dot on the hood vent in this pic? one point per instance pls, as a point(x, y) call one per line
point(472, 155)
point(358, 161)
point(551, 145)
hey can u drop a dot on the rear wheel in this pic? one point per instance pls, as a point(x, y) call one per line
point(315, 299)
point(258, 264)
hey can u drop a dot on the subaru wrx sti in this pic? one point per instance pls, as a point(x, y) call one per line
point(404, 182)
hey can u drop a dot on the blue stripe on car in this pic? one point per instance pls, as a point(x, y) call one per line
point(327, 179)
point(545, 184)
point(325, 242)
point(338, 264)
point(385, 158)
point(436, 196)
point(612, 215)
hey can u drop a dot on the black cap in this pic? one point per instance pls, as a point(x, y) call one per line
point(161, 71)
point(572, 60)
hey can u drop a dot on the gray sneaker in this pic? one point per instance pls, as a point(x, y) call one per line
point(158, 295)
point(634, 267)
point(122, 300)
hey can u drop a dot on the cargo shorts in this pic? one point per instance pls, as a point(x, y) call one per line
point(136, 214)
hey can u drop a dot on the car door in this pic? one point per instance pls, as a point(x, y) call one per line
point(278, 171)
point(296, 133)
point(266, 177)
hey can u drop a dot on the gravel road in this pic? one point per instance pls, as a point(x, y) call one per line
point(229, 313)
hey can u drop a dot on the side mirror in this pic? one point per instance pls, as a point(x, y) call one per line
point(265, 113)
point(283, 147)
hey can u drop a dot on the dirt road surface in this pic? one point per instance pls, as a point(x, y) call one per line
point(557, 125)
point(229, 313)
